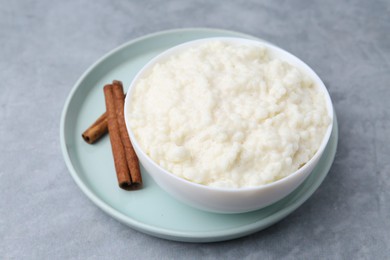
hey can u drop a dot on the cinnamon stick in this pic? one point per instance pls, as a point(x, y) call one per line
point(96, 130)
point(126, 162)
point(131, 157)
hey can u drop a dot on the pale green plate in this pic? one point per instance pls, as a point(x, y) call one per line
point(151, 210)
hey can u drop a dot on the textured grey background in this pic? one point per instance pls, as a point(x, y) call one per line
point(46, 45)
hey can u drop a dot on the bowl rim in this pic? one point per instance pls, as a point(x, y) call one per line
point(235, 40)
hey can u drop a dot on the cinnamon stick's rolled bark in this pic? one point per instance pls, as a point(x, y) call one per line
point(96, 130)
point(131, 157)
point(118, 151)
point(125, 159)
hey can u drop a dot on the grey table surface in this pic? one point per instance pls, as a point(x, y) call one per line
point(45, 46)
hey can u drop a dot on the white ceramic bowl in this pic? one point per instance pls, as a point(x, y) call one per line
point(228, 200)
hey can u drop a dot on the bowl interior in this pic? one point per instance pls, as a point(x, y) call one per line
point(274, 51)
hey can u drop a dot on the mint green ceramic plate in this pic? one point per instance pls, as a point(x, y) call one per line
point(151, 210)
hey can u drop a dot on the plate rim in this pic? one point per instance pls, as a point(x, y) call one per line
point(183, 236)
